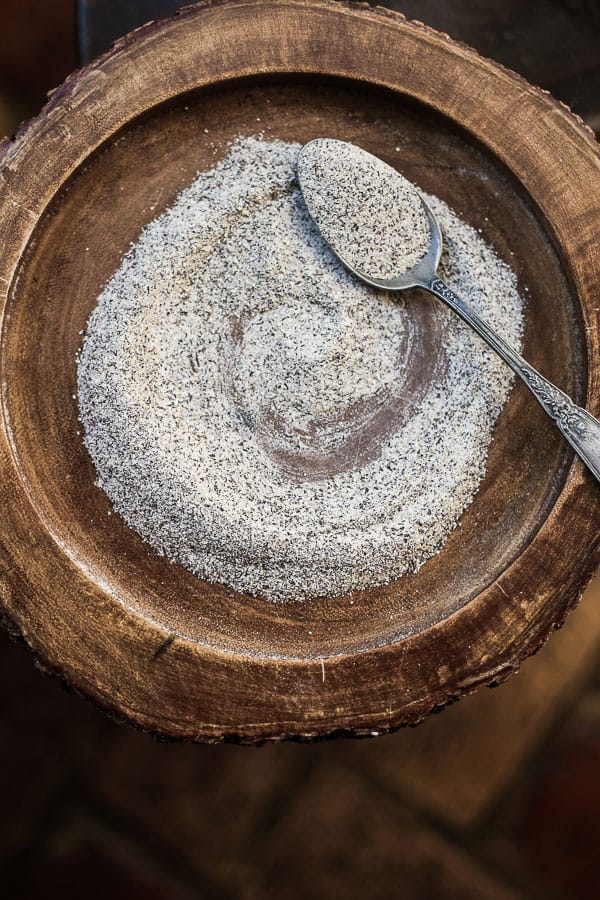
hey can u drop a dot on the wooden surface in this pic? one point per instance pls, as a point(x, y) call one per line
point(145, 638)
point(553, 43)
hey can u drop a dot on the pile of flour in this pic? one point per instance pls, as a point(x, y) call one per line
point(240, 391)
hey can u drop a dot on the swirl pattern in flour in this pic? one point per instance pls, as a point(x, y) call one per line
point(261, 417)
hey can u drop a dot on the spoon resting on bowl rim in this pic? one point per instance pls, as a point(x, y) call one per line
point(344, 188)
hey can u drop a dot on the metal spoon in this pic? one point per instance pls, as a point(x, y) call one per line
point(577, 425)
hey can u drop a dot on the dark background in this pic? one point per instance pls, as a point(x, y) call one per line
point(498, 797)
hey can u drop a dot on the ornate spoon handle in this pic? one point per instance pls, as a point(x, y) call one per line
point(578, 426)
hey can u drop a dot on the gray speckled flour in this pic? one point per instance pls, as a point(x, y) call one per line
point(248, 405)
point(375, 222)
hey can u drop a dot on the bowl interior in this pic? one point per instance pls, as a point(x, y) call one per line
point(81, 241)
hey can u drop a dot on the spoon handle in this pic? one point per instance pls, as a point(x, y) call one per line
point(577, 425)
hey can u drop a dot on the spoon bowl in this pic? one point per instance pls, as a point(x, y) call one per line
point(420, 275)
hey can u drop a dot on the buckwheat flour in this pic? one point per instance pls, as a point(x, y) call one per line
point(240, 391)
point(346, 189)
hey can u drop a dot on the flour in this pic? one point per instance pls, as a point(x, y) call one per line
point(248, 403)
point(377, 223)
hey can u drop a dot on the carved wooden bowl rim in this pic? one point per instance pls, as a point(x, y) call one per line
point(180, 688)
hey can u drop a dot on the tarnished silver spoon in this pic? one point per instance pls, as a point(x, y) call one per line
point(345, 189)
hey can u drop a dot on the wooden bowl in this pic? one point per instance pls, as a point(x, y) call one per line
point(114, 145)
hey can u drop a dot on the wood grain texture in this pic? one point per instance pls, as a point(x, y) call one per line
point(146, 639)
point(553, 44)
